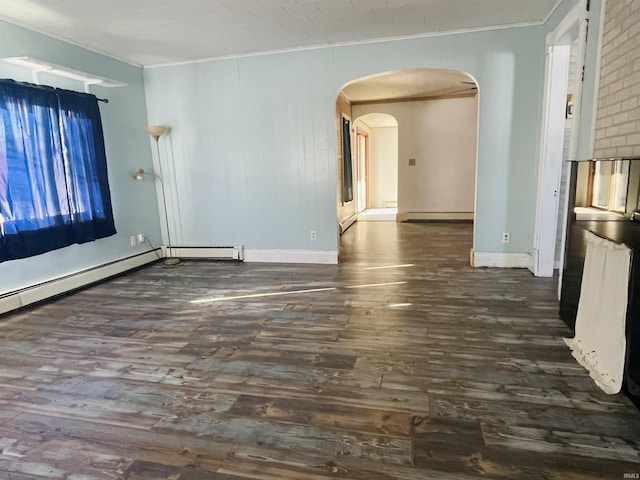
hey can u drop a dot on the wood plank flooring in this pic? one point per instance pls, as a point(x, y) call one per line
point(401, 363)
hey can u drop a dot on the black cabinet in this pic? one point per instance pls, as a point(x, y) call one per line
point(624, 231)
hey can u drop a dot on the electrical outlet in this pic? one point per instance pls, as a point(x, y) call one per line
point(506, 237)
point(141, 238)
point(133, 240)
point(313, 235)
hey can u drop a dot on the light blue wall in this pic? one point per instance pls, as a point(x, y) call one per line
point(128, 148)
point(252, 145)
point(254, 138)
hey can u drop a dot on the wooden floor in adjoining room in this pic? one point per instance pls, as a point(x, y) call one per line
point(402, 362)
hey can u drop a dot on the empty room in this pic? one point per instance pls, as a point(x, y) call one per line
point(318, 239)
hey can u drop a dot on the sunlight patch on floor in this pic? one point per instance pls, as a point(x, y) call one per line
point(406, 265)
point(378, 215)
point(290, 292)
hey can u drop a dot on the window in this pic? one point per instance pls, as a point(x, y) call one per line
point(610, 184)
point(53, 172)
point(347, 168)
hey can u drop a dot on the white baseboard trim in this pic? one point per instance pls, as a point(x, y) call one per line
point(502, 260)
point(347, 222)
point(291, 256)
point(42, 291)
point(408, 216)
point(212, 253)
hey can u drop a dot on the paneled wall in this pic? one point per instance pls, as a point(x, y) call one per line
point(618, 114)
point(254, 140)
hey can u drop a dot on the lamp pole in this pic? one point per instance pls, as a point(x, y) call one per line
point(156, 131)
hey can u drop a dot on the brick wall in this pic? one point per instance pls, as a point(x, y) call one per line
point(618, 115)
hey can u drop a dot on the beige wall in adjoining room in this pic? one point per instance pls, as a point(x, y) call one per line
point(383, 167)
point(441, 135)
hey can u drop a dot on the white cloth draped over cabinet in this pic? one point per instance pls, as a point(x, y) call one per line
point(599, 344)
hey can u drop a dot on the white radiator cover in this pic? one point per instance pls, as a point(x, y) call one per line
point(42, 291)
point(58, 286)
point(213, 253)
point(347, 222)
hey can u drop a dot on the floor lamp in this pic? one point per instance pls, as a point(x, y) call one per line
point(156, 131)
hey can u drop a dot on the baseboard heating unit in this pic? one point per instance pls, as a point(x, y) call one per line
point(211, 253)
point(51, 288)
point(347, 222)
point(73, 281)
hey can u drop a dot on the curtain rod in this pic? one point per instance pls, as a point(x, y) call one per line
point(47, 87)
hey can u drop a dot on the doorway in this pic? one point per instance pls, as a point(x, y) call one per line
point(377, 162)
point(435, 125)
point(563, 89)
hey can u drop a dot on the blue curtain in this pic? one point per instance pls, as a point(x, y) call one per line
point(53, 173)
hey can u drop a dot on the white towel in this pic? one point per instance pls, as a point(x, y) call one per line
point(599, 344)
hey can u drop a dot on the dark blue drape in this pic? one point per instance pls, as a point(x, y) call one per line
point(53, 172)
point(85, 166)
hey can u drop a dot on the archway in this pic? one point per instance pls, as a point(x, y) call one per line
point(376, 161)
point(437, 116)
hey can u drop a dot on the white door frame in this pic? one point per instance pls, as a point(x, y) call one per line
point(361, 174)
point(558, 45)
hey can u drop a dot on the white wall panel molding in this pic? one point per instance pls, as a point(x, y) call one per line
point(408, 216)
point(502, 260)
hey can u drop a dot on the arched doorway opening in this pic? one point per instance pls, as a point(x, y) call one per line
point(436, 112)
point(376, 161)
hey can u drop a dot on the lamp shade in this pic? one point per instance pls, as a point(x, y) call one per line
point(156, 131)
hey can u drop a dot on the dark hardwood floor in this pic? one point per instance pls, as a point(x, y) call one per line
point(403, 362)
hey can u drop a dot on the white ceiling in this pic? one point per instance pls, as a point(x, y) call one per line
point(409, 84)
point(155, 32)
